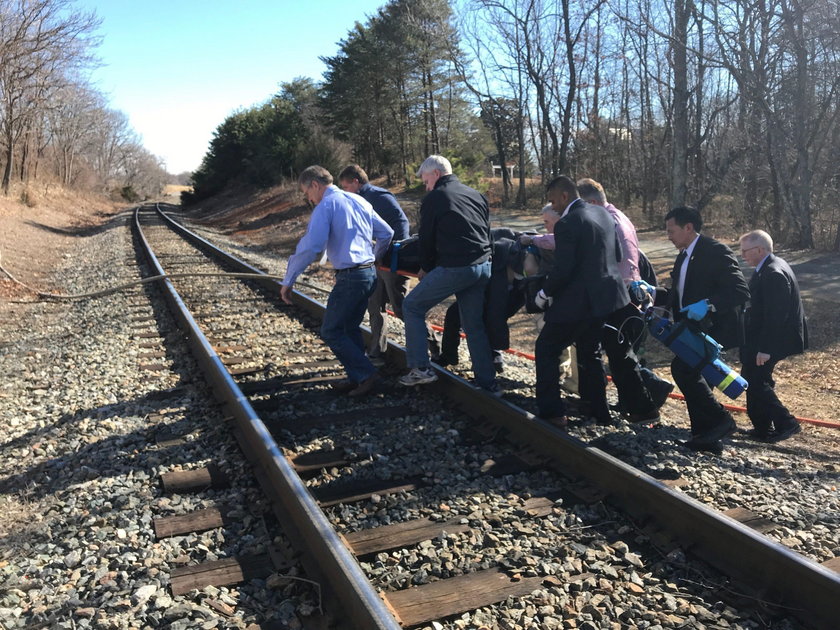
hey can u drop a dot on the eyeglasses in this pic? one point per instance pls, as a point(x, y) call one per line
point(749, 249)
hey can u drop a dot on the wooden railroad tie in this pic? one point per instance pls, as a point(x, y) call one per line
point(367, 542)
point(211, 476)
point(153, 367)
point(196, 521)
point(308, 464)
point(422, 604)
point(246, 371)
point(363, 489)
point(307, 423)
point(172, 436)
point(260, 386)
point(302, 382)
point(220, 573)
point(833, 564)
point(154, 354)
point(751, 520)
point(308, 365)
point(222, 349)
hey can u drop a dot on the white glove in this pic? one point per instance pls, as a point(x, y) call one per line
point(542, 300)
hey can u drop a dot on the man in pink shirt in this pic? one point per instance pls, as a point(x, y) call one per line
point(640, 391)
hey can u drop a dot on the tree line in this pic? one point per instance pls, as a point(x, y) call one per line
point(727, 105)
point(54, 125)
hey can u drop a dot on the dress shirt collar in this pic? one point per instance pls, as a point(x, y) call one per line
point(690, 249)
point(761, 264)
point(566, 211)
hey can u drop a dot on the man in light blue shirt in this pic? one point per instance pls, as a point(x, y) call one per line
point(345, 225)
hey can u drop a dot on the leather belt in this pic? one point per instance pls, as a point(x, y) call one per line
point(366, 265)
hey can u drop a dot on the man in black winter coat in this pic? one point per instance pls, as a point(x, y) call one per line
point(455, 253)
point(775, 329)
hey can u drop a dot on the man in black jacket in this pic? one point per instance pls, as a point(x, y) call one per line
point(775, 329)
point(582, 289)
point(390, 287)
point(454, 239)
point(707, 286)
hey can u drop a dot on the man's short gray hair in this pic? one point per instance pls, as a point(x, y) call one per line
point(549, 209)
point(758, 238)
point(315, 173)
point(435, 163)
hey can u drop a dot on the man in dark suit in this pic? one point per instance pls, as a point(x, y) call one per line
point(775, 329)
point(390, 287)
point(707, 287)
point(582, 289)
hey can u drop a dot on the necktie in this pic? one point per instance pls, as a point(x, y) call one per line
point(678, 285)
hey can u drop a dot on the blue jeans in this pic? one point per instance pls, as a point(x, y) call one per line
point(340, 330)
point(468, 285)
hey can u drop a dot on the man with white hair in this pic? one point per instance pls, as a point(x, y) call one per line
point(775, 329)
point(544, 241)
point(455, 247)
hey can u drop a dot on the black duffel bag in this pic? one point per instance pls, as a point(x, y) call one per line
point(404, 255)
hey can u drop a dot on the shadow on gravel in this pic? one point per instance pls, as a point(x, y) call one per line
point(116, 221)
point(129, 452)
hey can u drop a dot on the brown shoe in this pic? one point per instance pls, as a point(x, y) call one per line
point(366, 386)
point(344, 385)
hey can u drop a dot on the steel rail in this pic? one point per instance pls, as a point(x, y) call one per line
point(801, 586)
point(301, 517)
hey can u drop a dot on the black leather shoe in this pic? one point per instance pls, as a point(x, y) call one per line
point(443, 360)
point(717, 432)
point(778, 436)
point(659, 392)
point(756, 435)
point(650, 416)
point(710, 447)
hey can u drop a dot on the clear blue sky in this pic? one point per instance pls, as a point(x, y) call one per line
point(177, 68)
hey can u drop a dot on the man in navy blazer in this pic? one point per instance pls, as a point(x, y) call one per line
point(707, 286)
point(775, 329)
point(582, 289)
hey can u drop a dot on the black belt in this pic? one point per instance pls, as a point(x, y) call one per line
point(366, 265)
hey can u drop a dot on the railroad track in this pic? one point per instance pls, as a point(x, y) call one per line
point(395, 534)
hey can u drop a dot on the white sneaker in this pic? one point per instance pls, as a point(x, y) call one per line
point(418, 376)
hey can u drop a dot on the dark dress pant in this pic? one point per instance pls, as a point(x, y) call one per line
point(553, 339)
point(764, 408)
point(704, 411)
point(624, 365)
